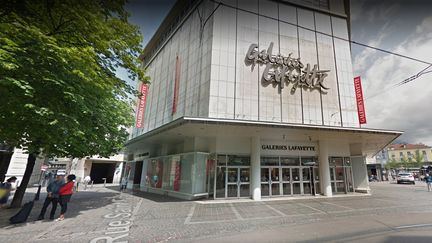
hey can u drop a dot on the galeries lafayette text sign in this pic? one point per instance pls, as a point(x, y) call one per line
point(287, 147)
point(281, 70)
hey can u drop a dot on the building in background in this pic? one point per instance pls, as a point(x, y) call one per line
point(231, 112)
point(399, 152)
point(99, 169)
point(17, 166)
point(376, 165)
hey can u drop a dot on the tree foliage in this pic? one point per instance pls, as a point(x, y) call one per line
point(58, 88)
point(59, 94)
point(418, 157)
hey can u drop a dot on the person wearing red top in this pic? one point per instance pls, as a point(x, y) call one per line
point(65, 193)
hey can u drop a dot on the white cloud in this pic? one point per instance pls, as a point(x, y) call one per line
point(408, 107)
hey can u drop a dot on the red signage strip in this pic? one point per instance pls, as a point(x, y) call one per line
point(142, 105)
point(176, 85)
point(177, 176)
point(360, 102)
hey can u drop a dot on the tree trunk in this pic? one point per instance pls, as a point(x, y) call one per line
point(19, 193)
point(5, 158)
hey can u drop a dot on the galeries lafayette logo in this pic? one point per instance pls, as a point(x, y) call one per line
point(281, 71)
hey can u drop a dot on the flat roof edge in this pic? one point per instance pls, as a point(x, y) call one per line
point(181, 120)
point(291, 125)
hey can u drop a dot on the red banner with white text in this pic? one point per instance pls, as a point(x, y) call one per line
point(176, 85)
point(360, 102)
point(141, 105)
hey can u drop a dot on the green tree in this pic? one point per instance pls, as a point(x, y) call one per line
point(393, 164)
point(418, 158)
point(404, 162)
point(58, 89)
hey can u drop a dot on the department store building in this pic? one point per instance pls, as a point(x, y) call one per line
point(251, 99)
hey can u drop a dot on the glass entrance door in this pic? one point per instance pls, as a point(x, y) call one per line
point(270, 181)
point(232, 181)
point(316, 180)
point(274, 182)
point(341, 176)
point(306, 180)
point(220, 182)
point(286, 181)
point(296, 181)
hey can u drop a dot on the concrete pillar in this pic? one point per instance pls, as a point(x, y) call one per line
point(324, 169)
point(164, 149)
point(359, 170)
point(255, 182)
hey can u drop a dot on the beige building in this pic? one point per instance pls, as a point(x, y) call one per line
point(408, 151)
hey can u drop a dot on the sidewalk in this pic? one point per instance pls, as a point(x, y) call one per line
point(106, 215)
point(6, 213)
point(83, 209)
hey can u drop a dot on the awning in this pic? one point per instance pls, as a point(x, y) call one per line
point(363, 141)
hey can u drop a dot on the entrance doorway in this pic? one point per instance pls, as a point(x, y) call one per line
point(341, 176)
point(289, 176)
point(270, 181)
point(232, 182)
point(289, 181)
point(138, 172)
point(232, 177)
point(102, 170)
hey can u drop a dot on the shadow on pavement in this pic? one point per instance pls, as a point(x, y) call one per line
point(410, 238)
point(80, 202)
point(149, 196)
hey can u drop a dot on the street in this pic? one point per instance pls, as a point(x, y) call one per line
point(393, 213)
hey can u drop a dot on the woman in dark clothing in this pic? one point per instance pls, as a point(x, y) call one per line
point(65, 193)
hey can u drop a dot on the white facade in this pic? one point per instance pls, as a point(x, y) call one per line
point(215, 81)
point(85, 167)
point(228, 108)
point(18, 165)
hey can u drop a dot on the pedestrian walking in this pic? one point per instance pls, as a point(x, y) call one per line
point(53, 196)
point(87, 181)
point(123, 183)
point(65, 192)
point(428, 179)
point(5, 190)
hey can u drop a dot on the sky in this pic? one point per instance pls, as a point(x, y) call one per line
point(403, 27)
point(148, 15)
point(399, 26)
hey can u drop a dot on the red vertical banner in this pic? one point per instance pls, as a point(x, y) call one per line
point(177, 175)
point(176, 85)
point(141, 105)
point(360, 102)
point(159, 174)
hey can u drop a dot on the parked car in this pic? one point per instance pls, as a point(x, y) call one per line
point(405, 177)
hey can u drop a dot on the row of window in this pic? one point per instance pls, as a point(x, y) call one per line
point(235, 160)
point(409, 154)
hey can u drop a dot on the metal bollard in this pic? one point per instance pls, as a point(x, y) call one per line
point(92, 184)
point(38, 193)
point(104, 179)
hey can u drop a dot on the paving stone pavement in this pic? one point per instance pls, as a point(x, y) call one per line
point(103, 214)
